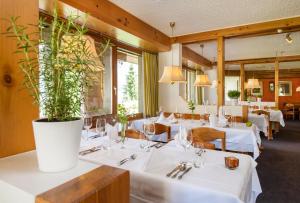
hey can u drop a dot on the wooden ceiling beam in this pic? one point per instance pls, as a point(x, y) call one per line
point(111, 20)
point(243, 30)
point(264, 60)
point(189, 54)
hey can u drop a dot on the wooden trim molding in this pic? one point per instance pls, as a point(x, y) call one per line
point(189, 54)
point(263, 28)
point(221, 71)
point(264, 60)
point(118, 20)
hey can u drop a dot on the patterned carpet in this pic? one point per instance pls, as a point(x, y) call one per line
point(279, 166)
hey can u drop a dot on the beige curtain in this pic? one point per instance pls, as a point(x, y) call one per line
point(150, 64)
point(199, 90)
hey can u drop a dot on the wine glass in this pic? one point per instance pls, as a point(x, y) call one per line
point(100, 126)
point(87, 125)
point(183, 139)
point(149, 131)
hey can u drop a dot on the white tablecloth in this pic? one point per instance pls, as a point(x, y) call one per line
point(148, 182)
point(261, 121)
point(277, 116)
point(238, 138)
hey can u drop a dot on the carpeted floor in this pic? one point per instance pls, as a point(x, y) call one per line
point(279, 166)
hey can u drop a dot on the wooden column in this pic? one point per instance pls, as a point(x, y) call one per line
point(220, 71)
point(16, 105)
point(114, 102)
point(242, 81)
point(276, 84)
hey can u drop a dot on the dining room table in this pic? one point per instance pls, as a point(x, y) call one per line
point(211, 182)
point(239, 137)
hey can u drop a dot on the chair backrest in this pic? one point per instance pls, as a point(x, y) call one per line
point(206, 135)
point(259, 112)
point(238, 119)
point(205, 117)
point(160, 128)
point(191, 116)
point(134, 134)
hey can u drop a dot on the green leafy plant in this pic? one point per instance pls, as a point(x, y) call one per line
point(191, 106)
point(122, 114)
point(233, 94)
point(259, 96)
point(58, 70)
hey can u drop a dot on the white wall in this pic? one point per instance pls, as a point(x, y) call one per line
point(210, 94)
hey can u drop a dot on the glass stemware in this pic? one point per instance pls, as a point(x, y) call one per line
point(149, 131)
point(183, 139)
point(87, 125)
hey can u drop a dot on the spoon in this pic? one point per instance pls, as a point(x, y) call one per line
point(182, 168)
point(132, 157)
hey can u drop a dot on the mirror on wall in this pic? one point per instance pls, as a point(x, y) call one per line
point(187, 90)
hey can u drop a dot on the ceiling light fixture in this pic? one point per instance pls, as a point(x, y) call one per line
point(288, 38)
point(202, 80)
point(298, 89)
point(172, 73)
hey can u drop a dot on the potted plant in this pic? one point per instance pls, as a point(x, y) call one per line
point(234, 95)
point(259, 97)
point(58, 72)
point(122, 118)
point(192, 107)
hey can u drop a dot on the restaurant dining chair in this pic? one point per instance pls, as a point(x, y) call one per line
point(267, 114)
point(205, 136)
point(130, 133)
point(289, 111)
point(204, 117)
point(238, 119)
point(191, 116)
point(160, 129)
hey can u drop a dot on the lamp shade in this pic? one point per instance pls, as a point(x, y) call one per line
point(298, 89)
point(253, 83)
point(171, 75)
point(202, 80)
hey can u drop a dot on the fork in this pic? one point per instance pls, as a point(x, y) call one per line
point(133, 157)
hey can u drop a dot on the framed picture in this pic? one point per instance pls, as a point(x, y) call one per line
point(285, 88)
point(271, 86)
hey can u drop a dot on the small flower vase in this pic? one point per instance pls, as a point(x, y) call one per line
point(123, 134)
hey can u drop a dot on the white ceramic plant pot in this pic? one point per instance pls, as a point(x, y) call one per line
point(57, 144)
point(234, 102)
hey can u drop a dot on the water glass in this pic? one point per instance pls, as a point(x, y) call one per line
point(200, 153)
point(149, 130)
point(100, 126)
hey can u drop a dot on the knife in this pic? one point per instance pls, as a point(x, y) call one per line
point(185, 172)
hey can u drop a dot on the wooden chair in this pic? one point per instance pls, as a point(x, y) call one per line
point(238, 119)
point(160, 128)
point(204, 117)
point(289, 111)
point(191, 116)
point(205, 135)
point(134, 134)
point(269, 129)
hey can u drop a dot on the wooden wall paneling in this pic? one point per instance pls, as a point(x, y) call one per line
point(245, 113)
point(276, 84)
point(16, 105)
point(242, 81)
point(221, 71)
point(103, 185)
point(263, 28)
point(111, 20)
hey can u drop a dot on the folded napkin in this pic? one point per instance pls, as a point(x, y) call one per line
point(161, 118)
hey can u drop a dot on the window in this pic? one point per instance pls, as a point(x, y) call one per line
point(129, 81)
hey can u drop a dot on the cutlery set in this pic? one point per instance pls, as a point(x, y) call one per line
point(181, 168)
point(132, 157)
point(158, 145)
point(91, 150)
